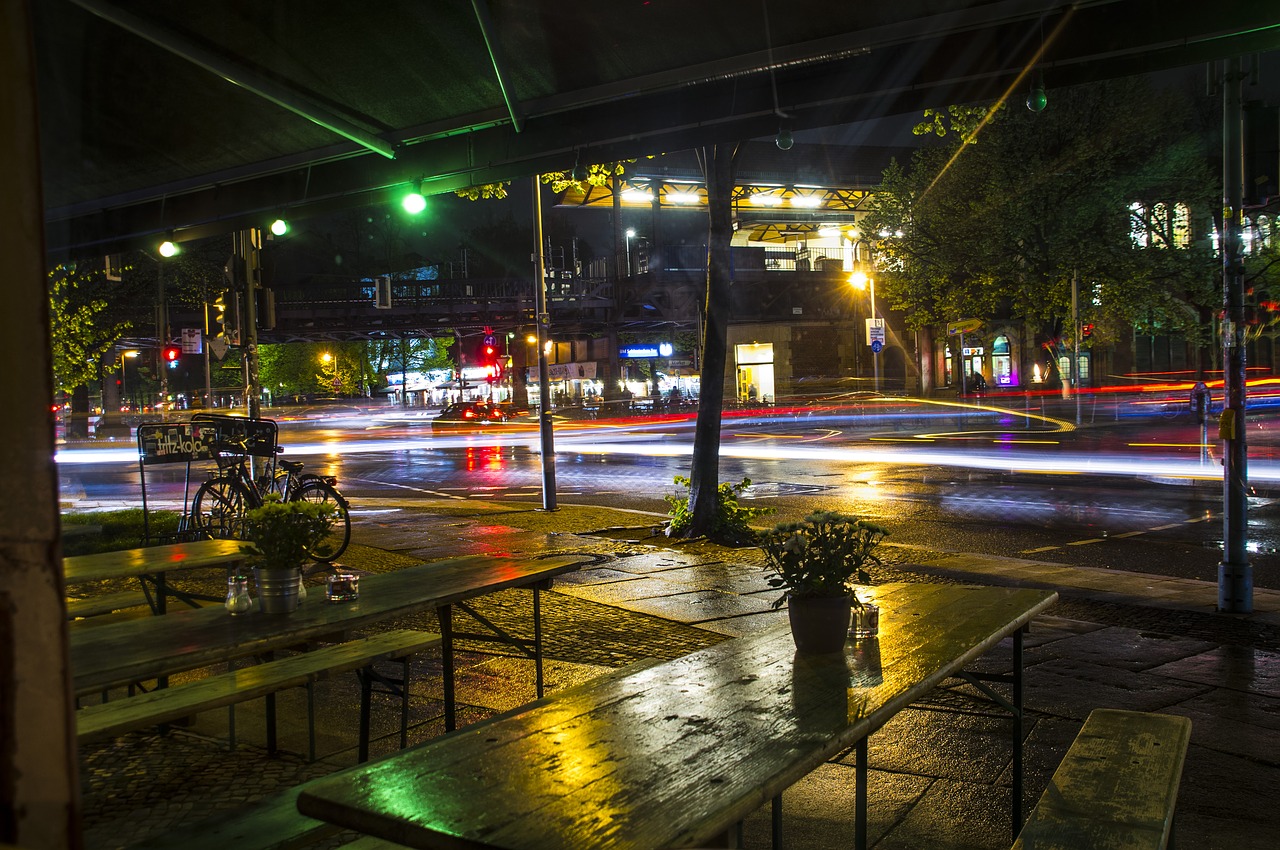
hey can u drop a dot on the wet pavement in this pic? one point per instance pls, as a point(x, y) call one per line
point(940, 770)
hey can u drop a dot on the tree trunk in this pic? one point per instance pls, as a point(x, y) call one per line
point(717, 163)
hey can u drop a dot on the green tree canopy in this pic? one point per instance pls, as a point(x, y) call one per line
point(999, 217)
point(82, 337)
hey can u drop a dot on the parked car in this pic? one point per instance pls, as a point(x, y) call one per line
point(469, 414)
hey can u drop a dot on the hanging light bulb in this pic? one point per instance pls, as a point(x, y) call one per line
point(279, 227)
point(168, 248)
point(784, 140)
point(413, 202)
point(1037, 100)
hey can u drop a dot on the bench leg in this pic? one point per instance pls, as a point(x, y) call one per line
point(366, 696)
point(537, 641)
point(270, 702)
point(860, 795)
point(404, 702)
point(311, 721)
point(1017, 732)
point(445, 613)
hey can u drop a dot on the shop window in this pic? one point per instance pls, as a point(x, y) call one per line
point(1002, 363)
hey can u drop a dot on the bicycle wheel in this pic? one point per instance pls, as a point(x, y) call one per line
point(219, 509)
point(335, 542)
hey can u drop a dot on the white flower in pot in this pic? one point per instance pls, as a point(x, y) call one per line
point(817, 561)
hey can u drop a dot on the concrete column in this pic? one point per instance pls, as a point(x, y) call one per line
point(39, 784)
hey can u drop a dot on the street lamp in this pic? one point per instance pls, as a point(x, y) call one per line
point(860, 281)
point(124, 373)
point(631, 234)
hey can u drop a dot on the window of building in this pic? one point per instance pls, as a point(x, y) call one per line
point(755, 372)
point(1002, 362)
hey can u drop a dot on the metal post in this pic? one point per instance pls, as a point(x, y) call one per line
point(251, 242)
point(544, 380)
point(162, 338)
point(1075, 322)
point(1235, 575)
point(204, 347)
point(875, 358)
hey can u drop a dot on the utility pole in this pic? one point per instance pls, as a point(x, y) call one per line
point(1075, 335)
point(1235, 575)
point(543, 322)
point(162, 339)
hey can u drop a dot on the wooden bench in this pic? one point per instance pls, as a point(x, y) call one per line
point(166, 705)
point(105, 603)
point(1116, 786)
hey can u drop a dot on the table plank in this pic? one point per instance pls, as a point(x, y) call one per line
point(148, 560)
point(135, 650)
point(675, 754)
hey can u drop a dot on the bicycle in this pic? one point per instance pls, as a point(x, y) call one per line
point(221, 504)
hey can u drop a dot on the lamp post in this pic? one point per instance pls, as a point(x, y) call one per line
point(631, 234)
point(860, 281)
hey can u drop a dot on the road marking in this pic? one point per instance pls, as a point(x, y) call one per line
point(1199, 519)
point(1127, 534)
point(1165, 527)
point(1087, 542)
point(1036, 551)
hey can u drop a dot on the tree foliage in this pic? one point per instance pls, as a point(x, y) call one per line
point(999, 217)
point(81, 338)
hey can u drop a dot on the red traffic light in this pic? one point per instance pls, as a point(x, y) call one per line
point(1086, 331)
point(172, 354)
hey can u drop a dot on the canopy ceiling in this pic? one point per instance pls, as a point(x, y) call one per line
point(341, 104)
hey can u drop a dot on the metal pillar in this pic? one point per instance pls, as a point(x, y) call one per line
point(1235, 575)
point(544, 381)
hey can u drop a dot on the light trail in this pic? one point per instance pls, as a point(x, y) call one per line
point(1010, 459)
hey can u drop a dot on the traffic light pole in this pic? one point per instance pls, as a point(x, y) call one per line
point(1235, 575)
point(543, 322)
point(162, 340)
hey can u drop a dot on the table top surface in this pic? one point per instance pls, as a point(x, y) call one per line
point(674, 754)
point(145, 648)
point(130, 563)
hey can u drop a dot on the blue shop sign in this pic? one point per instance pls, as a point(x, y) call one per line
point(646, 352)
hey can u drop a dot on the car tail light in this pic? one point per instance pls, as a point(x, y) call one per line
point(468, 414)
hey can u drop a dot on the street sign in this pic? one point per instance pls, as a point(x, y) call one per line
point(876, 345)
point(963, 326)
point(875, 331)
point(191, 338)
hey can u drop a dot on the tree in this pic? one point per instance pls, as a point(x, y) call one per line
point(1002, 215)
point(81, 341)
point(704, 497)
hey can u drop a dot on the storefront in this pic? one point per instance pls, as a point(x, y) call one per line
point(755, 375)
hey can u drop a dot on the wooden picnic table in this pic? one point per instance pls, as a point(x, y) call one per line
point(674, 755)
point(148, 560)
point(151, 564)
point(124, 652)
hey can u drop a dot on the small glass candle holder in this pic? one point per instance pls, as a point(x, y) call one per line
point(342, 587)
point(865, 621)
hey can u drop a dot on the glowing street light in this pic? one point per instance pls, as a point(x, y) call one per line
point(860, 281)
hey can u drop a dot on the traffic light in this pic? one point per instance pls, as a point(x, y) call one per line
point(489, 357)
point(1086, 331)
point(172, 355)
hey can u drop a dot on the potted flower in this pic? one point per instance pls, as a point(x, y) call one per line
point(281, 536)
point(817, 561)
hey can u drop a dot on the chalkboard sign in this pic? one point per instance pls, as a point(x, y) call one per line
point(184, 442)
